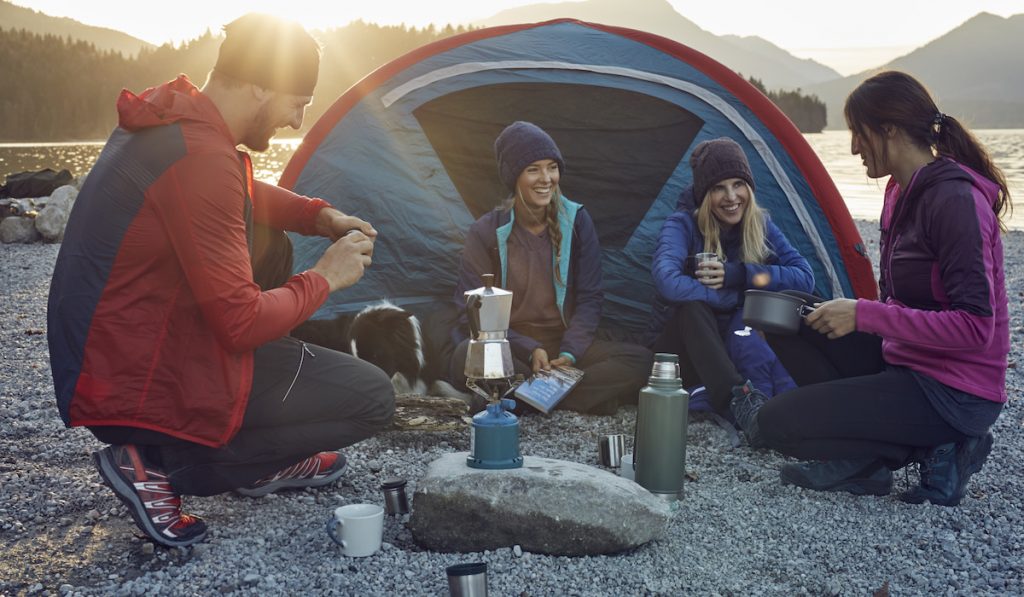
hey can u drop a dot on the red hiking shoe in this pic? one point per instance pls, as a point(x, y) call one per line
point(315, 471)
point(146, 491)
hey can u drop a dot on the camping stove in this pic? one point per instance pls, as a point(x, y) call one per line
point(494, 432)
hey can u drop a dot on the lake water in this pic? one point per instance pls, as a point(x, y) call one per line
point(863, 196)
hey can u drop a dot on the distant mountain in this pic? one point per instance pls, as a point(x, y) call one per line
point(15, 18)
point(750, 56)
point(975, 72)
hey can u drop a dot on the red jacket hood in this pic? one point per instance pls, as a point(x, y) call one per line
point(166, 104)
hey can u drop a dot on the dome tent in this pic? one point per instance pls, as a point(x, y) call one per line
point(409, 149)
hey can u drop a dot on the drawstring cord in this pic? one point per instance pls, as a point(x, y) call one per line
point(302, 357)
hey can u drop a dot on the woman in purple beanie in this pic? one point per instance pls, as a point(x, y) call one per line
point(544, 248)
point(698, 308)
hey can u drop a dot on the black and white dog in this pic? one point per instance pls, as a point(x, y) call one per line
point(390, 338)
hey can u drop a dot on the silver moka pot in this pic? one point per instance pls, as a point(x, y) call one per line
point(490, 373)
point(489, 309)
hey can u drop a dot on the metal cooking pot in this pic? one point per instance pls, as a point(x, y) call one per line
point(774, 312)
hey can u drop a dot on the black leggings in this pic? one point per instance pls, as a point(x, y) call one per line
point(850, 404)
point(694, 335)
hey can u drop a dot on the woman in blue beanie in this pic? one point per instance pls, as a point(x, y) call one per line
point(697, 313)
point(544, 248)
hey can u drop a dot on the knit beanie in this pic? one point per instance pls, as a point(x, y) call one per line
point(273, 53)
point(717, 160)
point(518, 146)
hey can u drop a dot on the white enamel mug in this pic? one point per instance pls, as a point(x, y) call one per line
point(357, 528)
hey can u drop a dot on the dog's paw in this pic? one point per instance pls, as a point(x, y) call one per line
point(443, 388)
point(402, 385)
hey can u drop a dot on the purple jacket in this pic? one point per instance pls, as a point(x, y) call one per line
point(943, 308)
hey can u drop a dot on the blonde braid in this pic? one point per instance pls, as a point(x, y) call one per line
point(554, 231)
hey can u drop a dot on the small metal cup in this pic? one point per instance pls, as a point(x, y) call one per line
point(610, 449)
point(467, 580)
point(395, 499)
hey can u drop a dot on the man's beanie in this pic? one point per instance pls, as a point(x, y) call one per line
point(521, 144)
point(270, 52)
point(717, 160)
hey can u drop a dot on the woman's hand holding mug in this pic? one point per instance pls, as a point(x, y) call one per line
point(710, 270)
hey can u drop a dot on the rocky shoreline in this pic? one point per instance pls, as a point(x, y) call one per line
point(738, 531)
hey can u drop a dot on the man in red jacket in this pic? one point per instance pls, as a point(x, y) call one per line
point(161, 342)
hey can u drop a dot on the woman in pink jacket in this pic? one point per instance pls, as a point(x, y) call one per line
point(920, 375)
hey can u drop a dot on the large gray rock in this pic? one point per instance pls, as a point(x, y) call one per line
point(51, 221)
point(547, 506)
point(18, 229)
point(63, 196)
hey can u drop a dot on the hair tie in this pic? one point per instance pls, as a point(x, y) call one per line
point(937, 127)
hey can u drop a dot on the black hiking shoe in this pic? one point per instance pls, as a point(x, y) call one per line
point(151, 501)
point(859, 477)
point(946, 470)
point(746, 401)
point(315, 471)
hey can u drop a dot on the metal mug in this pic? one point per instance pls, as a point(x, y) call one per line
point(467, 580)
point(610, 449)
point(395, 499)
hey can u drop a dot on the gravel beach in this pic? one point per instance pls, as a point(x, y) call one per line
point(737, 532)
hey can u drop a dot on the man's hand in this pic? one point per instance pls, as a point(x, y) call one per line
point(344, 261)
point(837, 317)
point(333, 224)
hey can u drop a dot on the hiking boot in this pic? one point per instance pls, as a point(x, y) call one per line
point(315, 471)
point(151, 501)
point(863, 476)
point(746, 401)
point(946, 470)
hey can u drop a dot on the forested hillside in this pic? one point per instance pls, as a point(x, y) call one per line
point(59, 89)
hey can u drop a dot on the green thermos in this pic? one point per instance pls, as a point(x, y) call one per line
point(659, 443)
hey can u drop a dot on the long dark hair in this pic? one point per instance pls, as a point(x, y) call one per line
point(896, 99)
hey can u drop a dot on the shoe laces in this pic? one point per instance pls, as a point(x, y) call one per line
point(301, 470)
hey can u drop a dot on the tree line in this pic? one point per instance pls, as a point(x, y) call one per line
point(807, 112)
point(59, 89)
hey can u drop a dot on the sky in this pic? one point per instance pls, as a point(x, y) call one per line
point(849, 37)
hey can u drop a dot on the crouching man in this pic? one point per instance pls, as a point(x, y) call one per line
point(160, 341)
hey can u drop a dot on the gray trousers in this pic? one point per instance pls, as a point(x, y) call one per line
point(336, 400)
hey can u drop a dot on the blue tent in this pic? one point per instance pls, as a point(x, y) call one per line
point(409, 148)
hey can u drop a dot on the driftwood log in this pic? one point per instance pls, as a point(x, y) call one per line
point(417, 412)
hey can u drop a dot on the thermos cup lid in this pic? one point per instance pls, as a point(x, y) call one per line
point(467, 569)
point(393, 483)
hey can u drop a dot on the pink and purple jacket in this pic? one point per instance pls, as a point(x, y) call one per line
point(943, 310)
